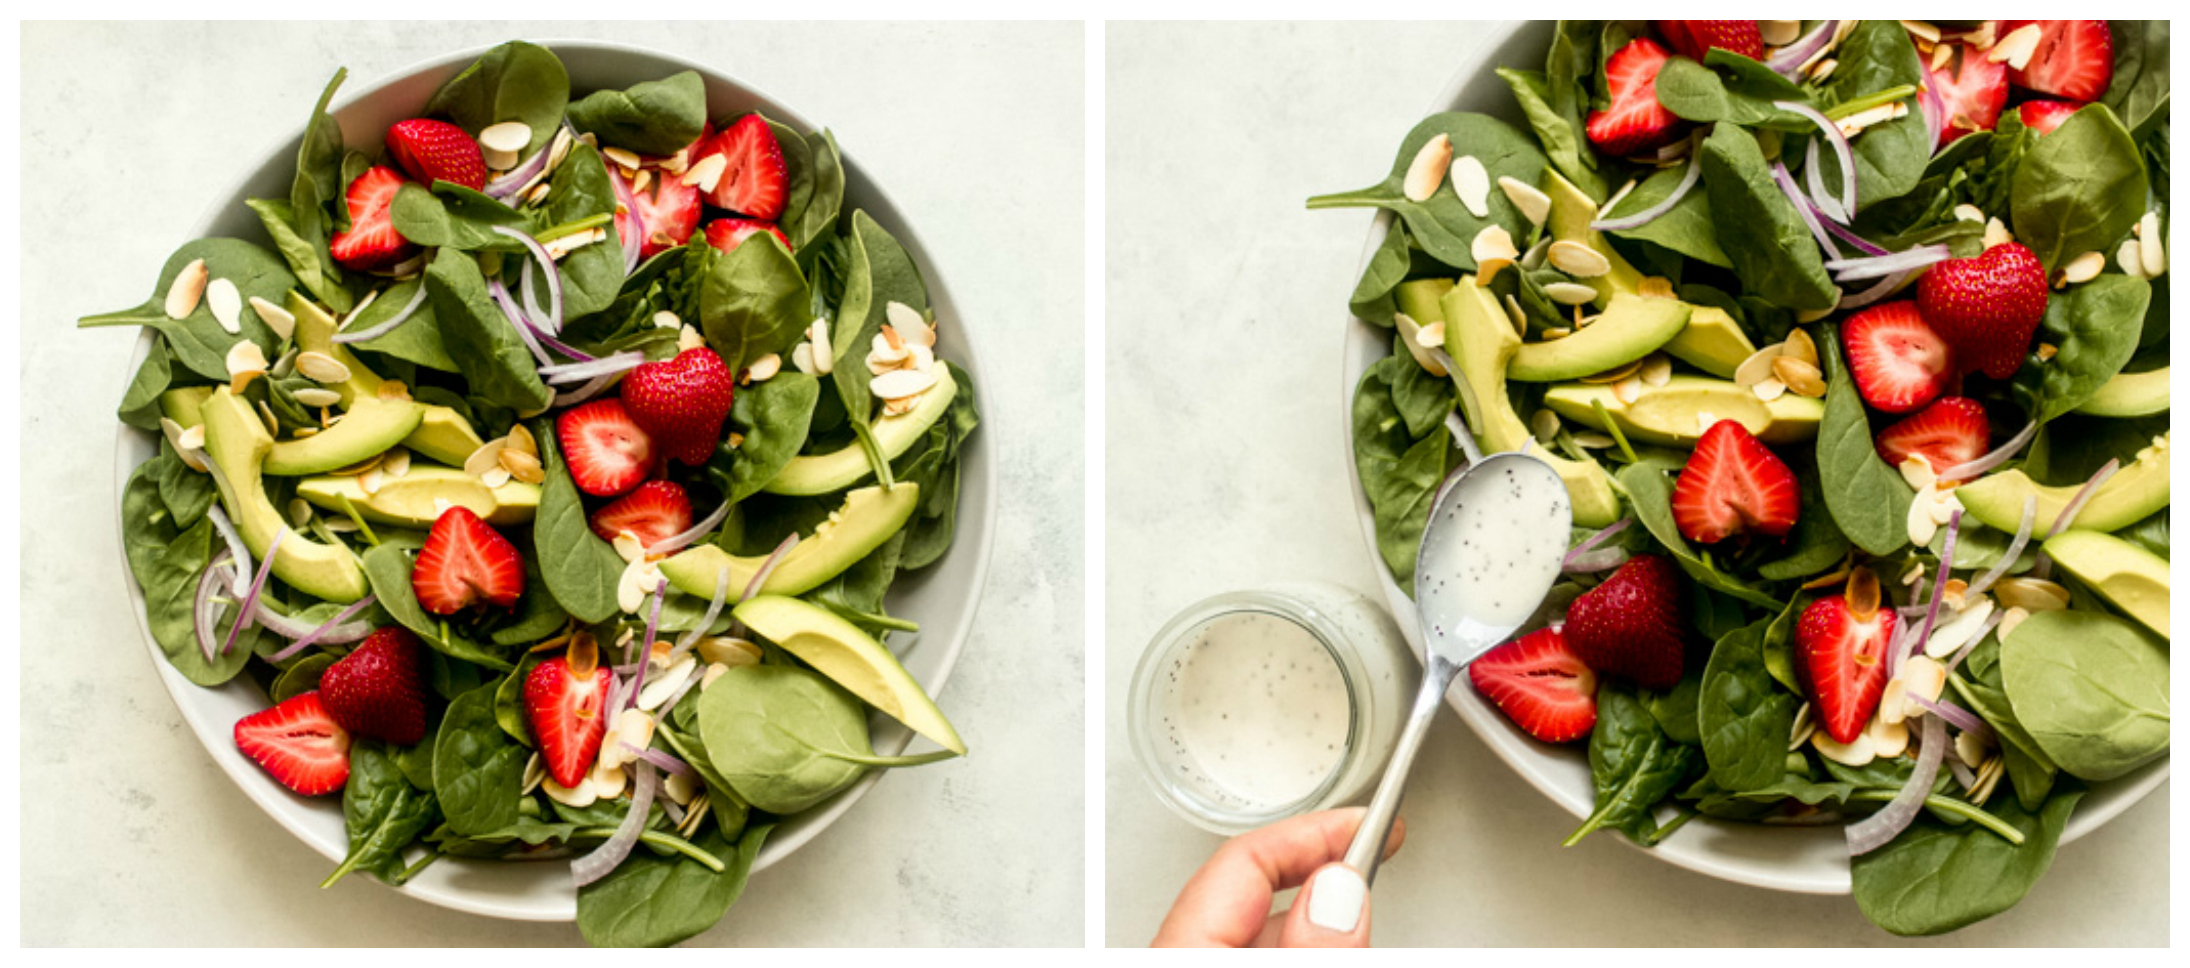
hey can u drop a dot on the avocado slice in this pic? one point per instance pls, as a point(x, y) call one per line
point(868, 518)
point(1631, 328)
point(1712, 342)
point(1571, 212)
point(1677, 414)
point(2131, 493)
point(838, 649)
point(370, 426)
point(441, 433)
point(181, 405)
point(1480, 339)
point(839, 469)
point(2134, 579)
point(237, 442)
point(408, 501)
point(2129, 395)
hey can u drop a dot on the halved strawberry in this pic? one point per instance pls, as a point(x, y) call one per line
point(431, 150)
point(2074, 59)
point(1986, 307)
point(682, 402)
point(465, 563)
point(299, 743)
point(1733, 484)
point(1695, 38)
point(2043, 116)
point(656, 512)
point(1971, 88)
point(372, 241)
point(726, 233)
point(1843, 661)
point(565, 711)
point(1898, 362)
point(754, 181)
point(379, 689)
point(661, 217)
point(1636, 121)
point(607, 452)
point(1540, 684)
point(1631, 627)
point(1951, 432)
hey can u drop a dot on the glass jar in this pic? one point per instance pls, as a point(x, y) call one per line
point(1253, 706)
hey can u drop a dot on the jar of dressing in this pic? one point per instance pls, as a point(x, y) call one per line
point(1254, 706)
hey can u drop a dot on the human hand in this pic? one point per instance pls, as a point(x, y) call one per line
point(1227, 902)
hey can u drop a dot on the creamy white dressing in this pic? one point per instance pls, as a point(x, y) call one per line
point(1498, 547)
point(1253, 710)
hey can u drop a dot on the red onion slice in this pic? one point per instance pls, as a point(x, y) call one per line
point(596, 865)
point(2014, 549)
point(1991, 622)
point(204, 612)
point(1789, 59)
point(1823, 201)
point(516, 319)
point(677, 541)
point(677, 694)
point(1955, 716)
point(1938, 583)
point(1876, 830)
point(1841, 152)
point(1879, 290)
point(1591, 562)
point(548, 340)
point(664, 761)
point(1969, 471)
point(334, 632)
point(1844, 234)
point(1935, 112)
point(508, 184)
point(1962, 774)
point(768, 567)
point(2076, 504)
point(403, 316)
point(1648, 215)
point(289, 628)
point(612, 365)
point(237, 552)
point(646, 654)
point(554, 318)
point(714, 611)
point(245, 610)
point(1590, 543)
point(591, 389)
point(1803, 208)
point(1874, 266)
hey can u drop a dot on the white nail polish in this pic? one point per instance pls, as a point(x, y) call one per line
point(1335, 898)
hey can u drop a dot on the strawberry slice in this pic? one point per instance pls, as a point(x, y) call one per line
point(754, 181)
point(1972, 90)
point(1540, 684)
point(2074, 59)
point(1898, 362)
point(565, 711)
point(726, 233)
point(299, 743)
point(2043, 116)
point(1986, 307)
point(431, 151)
point(1951, 432)
point(1695, 38)
point(465, 563)
point(1631, 627)
point(661, 217)
point(1843, 662)
point(379, 690)
point(371, 241)
point(681, 403)
point(1636, 121)
point(607, 453)
point(656, 512)
point(1733, 484)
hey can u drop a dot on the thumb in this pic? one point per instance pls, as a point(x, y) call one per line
point(1331, 911)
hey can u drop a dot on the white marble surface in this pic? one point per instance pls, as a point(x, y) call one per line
point(1226, 470)
point(132, 836)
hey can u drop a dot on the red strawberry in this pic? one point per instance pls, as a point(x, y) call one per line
point(1733, 484)
point(1898, 362)
point(726, 233)
point(379, 690)
point(1636, 121)
point(297, 742)
point(565, 710)
point(1843, 658)
point(372, 241)
point(2044, 116)
point(662, 217)
point(1972, 89)
point(1986, 307)
point(1695, 38)
point(1631, 625)
point(656, 512)
point(754, 181)
point(1540, 684)
point(464, 563)
point(431, 151)
point(607, 452)
point(682, 402)
point(2074, 59)
point(1951, 432)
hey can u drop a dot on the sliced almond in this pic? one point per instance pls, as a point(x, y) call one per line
point(1593, 440)
point(521, 440)
point(371, 481)
point(1578, 260)
point(1916, 469)
point(2151, 247)
point(321, 368)
point(1427, 171)
point(1996, 233)
point(1823, 69)
point(1570, 293)
point(1628, 390)
point(1758, 367)
point(1955, 632)
point(1858, 753)
point(679, 788)
point(607, 782)
point(889, 354)
point(731, 652)
point(1615, 374)
point(1800, 346)
point(186, 442)
point(396, 462)
point(508, 136)
point(2009, 620)
point(1431, 337)
point(660, 685)
point(1410, 334)
point(495, 477)
point(317, 397)
point(226, 303)
point(705, 174)
point(1657, 369)
point(898, 384)
point(1804, 379)
point(2030, 594)
point(1969, 213)
point(1893, 703)
point(1493, 242)
point(1988, 779)
point(1805, 724)
point(2015, 48)
point(183, 293)
point(910, 325)
point(266, 413)
point(521, 466)
point(622, 158)
point(1779, 33)
point(2130, 257)
point(580, 797)
point(486, 458)
point(281, 321)
point(1971, 749)
point(761, 369)
point(246, 357)
point(1887, 739)
point(802, 357)
point(1532, 203)
point(1516, 316)
point(1616, 199)
point(2083, 268)
point(1471, 181)
point(535, 773)
point(638, 580)
point(1940, 55)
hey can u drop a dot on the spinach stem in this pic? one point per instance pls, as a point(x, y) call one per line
point(359, 519)
point(1658, 836)
point(1867, 102)
point(1959, 808)
point(882, 472)
point(1364, 197)
point(658, 839)
point(414, 869)
point(573, 228)
point(932, 756)
point(1614, 429)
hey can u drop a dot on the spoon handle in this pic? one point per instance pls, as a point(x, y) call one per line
point(1367, 849)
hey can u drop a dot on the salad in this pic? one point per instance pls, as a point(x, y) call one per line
point(1849, 341)
point(547, 465)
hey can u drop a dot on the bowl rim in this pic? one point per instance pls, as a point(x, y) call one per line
point(285, 808)
point(2108, 800)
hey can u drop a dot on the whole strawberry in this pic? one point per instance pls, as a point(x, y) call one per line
point(1630, 626)
point(431, 151)
point(681, 403)
point(1986, 307)
point(379, 690)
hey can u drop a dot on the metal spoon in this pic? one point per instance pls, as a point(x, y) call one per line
point(1459, 619)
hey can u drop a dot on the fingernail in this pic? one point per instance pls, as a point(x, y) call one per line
point(1335, 897)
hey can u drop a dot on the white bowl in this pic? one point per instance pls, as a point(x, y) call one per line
point(942, 597)
point(1809, 860)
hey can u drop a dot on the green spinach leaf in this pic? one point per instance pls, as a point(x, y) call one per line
point(651, 117)
point(1935, 878)
point(383, 812)
point(583, 575)
point(2092, 689)
point(1757, 227)
point(1746, 715)
point(2093, 325)
point(2079, 189)
point(1868, 500)
point(388, 570)
point(1632, 764)
point(478, 771)
point(197, 341)
point(754, 303)
point(655, 901)
point(1441, 224)
point(494, 362)
point(516, 81)
point(786, 739)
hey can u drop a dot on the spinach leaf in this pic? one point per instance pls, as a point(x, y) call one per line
point(772, 416)
point(1777, 648)
point(1758, 229)
point(301, 678)
point(478, 771)
point(818, 217)
point(388, 570)
point(754, 303)
point(786, 739)
point(417, 340)
point(2092, 689)
point(2091, 325)
point(1441, 224)
point(453, 216)
point(2079, 189)
point(197, 340)
point(2139, 91)
point(538, 616)
point(929, 534)
point(188, 494)
point(651, 117)
point(1423, 400)
point(1686, 228)
point(655, 901)
point(1650, 494)
point(1402, 500)
point(1868, 500)
point(798, 171)
point(1935, 878)
point(582, 575)
point(1746, 716)
point(1675, 709)
point(494, 362)
point(1697, 93)
point(1816, 541)
point(1562, 137)
point(170, 585)
point(314, 269)
point(516, 81)
point(592, 274)
point(148, 527)
point(2151, 533)
point(383, 812)
point(1890, 157)
point(1373, 300)
point(319, 183)
point(881, 272)
point(140, 406)
point(1632, 764)
point(509, 700)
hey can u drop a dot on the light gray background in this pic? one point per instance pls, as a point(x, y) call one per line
point(1226, 469)
point(132, 836)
